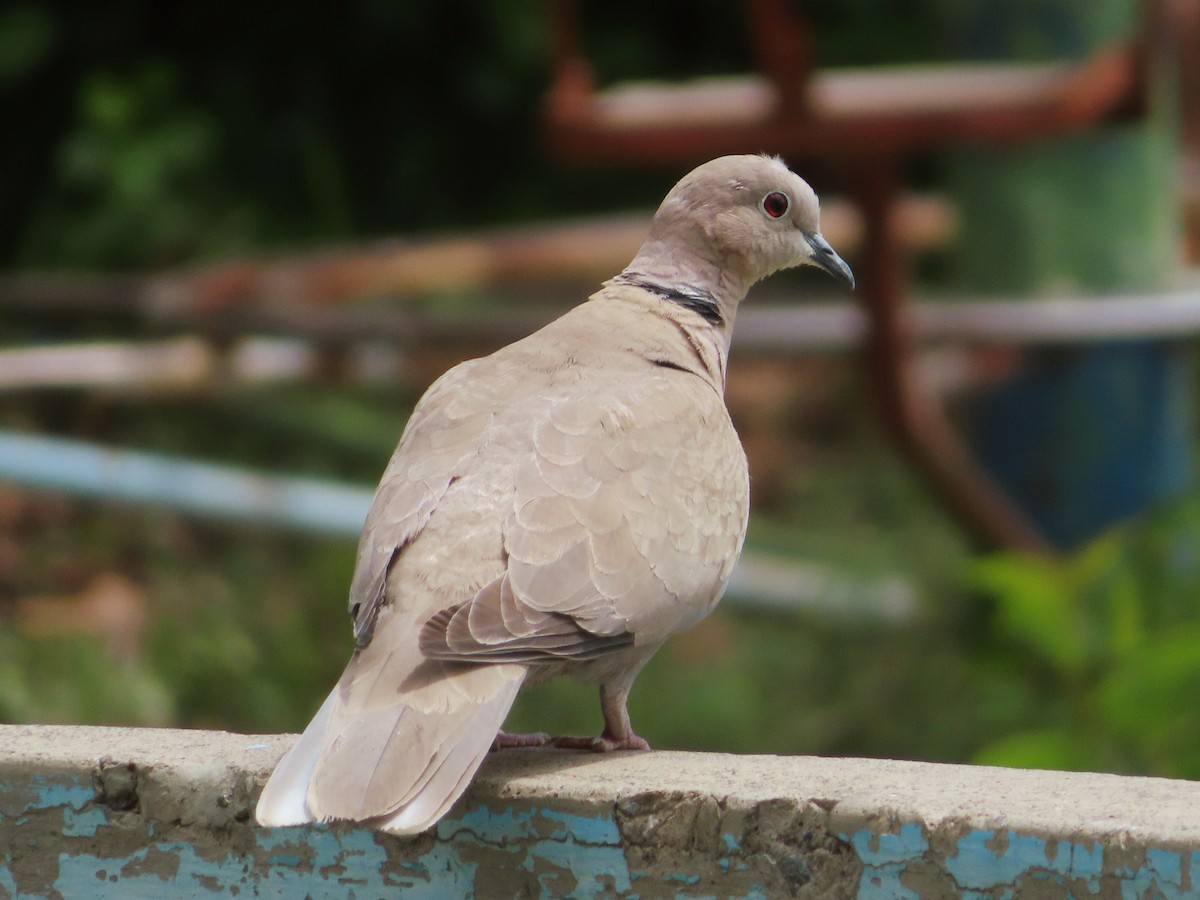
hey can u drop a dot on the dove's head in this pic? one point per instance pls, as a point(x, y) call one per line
point(752, 215)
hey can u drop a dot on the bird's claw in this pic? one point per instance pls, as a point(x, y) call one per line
point(505, 741)
point(605, 743)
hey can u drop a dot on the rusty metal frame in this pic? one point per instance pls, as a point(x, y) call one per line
point(843, 120)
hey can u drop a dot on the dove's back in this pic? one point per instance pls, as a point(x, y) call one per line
point(577, 497)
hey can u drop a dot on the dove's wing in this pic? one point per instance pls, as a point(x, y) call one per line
point(441, 439)
point(627, 517)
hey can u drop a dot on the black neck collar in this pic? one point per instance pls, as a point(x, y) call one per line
point(696, 299)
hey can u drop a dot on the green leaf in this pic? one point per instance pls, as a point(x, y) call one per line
point(26, 38)
point(1036, 604)
point(1156, 690)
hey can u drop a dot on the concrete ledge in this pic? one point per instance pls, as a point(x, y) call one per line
point(106, 812)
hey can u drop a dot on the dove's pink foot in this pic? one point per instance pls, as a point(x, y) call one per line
point(603, 744)
point(505, 741)
point(618, 732)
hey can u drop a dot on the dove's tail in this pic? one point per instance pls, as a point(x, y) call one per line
point(395, 767)
point(284, 799)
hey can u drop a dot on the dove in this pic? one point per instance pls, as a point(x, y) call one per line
point(560, 507)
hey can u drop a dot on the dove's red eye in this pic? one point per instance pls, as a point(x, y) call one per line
point(776, 204)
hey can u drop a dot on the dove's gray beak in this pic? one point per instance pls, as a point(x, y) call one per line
point(825, 257)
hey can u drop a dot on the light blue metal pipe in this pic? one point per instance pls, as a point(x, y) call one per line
point(129, 476)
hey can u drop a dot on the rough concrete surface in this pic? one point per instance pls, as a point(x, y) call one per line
point(108, 812)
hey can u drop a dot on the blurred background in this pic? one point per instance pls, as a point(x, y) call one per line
point(238, 241)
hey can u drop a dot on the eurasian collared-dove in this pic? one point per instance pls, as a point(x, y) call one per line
point(562, 506)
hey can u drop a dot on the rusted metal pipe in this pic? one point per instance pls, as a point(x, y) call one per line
point(915, 419)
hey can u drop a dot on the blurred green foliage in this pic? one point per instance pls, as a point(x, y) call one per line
point(1109, 643)
point(138, 181)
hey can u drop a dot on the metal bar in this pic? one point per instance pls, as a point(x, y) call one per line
point(766, 324)
point(89, 470)
point(188, 363)
point(581, 250)
point(377, 341)
point(916, 420)
point(894, 111)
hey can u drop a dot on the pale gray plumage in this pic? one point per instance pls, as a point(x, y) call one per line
point(559, 507)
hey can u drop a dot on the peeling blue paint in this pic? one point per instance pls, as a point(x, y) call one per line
point(599, 830)
point(512, 826)
point(987, 863)
point(598, 870)
point(51, 794)
point(84, 822)
point(563, 854)
point(505, 827)
point(883, 849)
point(987, 859)
point(361, 860)
point(588, 847)
point(1166, 874)
point(883, 883)
point(1086, 861)
point(885, 858)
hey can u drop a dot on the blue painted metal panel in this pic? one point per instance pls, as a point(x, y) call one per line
point(1086, 437)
